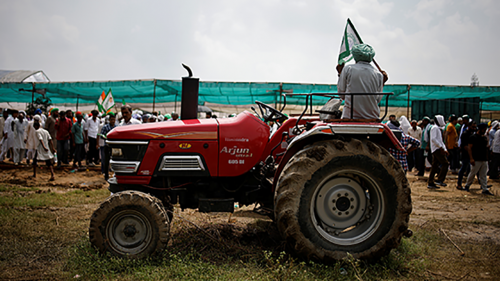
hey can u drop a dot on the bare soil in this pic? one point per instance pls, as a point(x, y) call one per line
point(65, 177)
point(477, 215)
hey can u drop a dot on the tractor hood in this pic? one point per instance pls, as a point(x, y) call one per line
point(194, 129)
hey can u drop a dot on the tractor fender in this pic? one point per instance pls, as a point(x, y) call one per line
point(378, 133)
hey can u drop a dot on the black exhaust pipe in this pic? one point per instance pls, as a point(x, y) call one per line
point(189, 101)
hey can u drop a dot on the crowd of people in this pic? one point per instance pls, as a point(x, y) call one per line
point(59, 137)
point(460, 146)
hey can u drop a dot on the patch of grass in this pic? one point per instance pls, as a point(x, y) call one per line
point(34, 237)
point(13, 188)
point(44, 236)
point(250, 261)
point(51, 198)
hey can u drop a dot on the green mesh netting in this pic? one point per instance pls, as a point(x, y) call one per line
point(235, 93)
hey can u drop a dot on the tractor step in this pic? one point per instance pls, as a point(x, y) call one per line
point(208, 205)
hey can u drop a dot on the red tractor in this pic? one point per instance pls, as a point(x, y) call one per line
point(331, 187)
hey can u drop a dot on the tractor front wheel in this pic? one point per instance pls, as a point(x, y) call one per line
point(130, 224)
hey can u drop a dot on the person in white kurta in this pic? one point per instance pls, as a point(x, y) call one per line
point(18, 145)
point(8, 135)
point(30, 138)
point(44, 150)
point(358, 78)
point(4, 117)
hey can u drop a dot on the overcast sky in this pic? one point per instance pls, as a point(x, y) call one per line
point(441, 42)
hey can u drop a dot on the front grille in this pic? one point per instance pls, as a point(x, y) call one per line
point(126, 167)
point(181, 163)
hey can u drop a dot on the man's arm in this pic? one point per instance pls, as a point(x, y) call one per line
point(469, 150)
point(72, 132)
point(27, 132)
point(51, 145)
point(43, 145)
point(85, 136)
point(414, 143)
point(445, 135)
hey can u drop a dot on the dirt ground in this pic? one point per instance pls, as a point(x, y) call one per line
point(446, 203)
point(478, 214)
point(65, 178)
point(467, 217)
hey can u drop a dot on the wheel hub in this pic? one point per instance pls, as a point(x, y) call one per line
point(343, 204)
point(129, 231)
point(340, 202)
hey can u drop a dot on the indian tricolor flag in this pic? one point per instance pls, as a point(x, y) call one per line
point(106, 102)
point(100, 101)
point(350, 38)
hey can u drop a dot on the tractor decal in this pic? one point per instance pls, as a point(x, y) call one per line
point(182, 135)
point(236, 151)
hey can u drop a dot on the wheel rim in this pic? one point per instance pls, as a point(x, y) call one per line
point(347, 207)
point(129, 232)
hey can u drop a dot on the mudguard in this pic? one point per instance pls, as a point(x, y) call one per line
point(378, 133)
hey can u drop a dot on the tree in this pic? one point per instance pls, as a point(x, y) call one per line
point(41, 102)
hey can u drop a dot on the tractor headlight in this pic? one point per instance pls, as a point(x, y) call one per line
point(116, 152)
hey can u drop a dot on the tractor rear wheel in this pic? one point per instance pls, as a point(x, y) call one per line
point(130, 224)
point(338, 197)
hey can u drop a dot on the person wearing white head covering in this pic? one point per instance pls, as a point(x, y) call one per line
point(404, 124)
point(495, 161)
point(19, 129)
point(31, 139)
point(491, 132)
point(417, 156)
point(3, 118)
point(439, 154)
point(8, 135)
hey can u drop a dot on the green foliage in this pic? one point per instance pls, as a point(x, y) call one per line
point(86, 262)
point(41, 102)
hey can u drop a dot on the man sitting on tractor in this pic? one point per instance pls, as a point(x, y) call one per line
point(361, 77)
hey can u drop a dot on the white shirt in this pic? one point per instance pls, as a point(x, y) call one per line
point(7, 129)
point(31, 137)
point(361, 77)
point(132, 121)
point(92, 127)
point(101, 140)
point(44, 136)
point(496, 142)
point(415, 133)
point(436, 139)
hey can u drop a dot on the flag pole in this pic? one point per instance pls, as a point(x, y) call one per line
point(376, 64)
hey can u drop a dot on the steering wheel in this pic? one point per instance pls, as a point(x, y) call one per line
point(270, 113)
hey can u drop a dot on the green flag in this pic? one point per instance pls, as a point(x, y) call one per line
point(350, 38)
point(108, 102)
